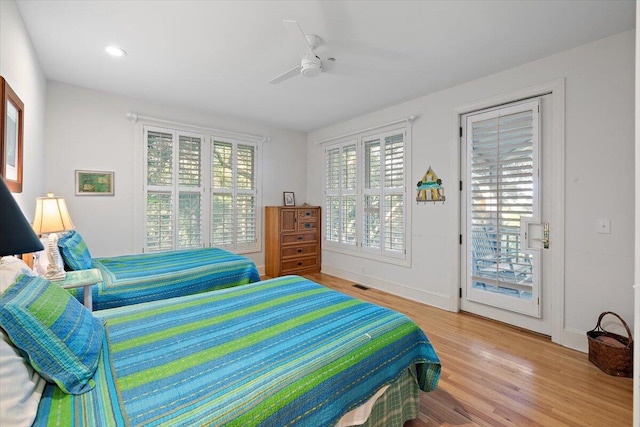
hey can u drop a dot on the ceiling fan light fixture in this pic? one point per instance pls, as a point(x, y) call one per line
point(311, 67)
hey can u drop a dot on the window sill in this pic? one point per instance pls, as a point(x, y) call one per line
point(359, 254)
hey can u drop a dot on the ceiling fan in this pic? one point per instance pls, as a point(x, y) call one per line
point(310, 64)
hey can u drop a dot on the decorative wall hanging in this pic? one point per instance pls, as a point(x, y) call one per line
point(11, 133)
point(94, 183)
point(430, 188)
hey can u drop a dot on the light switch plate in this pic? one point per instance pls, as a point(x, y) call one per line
point(604, 226)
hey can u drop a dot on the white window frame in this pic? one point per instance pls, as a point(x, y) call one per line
point(209, 135)
point(403, 257)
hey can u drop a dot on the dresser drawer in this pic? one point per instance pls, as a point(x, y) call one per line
point(298, 251)
point(299, 264)
point(307, 213)
point(299, 238)
point(307, 225)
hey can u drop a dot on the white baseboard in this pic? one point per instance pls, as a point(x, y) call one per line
point(575, 339)
point(430, 298)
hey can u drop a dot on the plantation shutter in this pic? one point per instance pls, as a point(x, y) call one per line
point(159, 207)
point(341, 183)
point(503, 179)
point(199, 190)
point(246, 195)
point(222, 222)
point(332, 194)
point(372, 188)
point(384, 187)
point(234, 194)
point(394, 207)
point(365, 195)
point(173, 206)
point(189, 192)
point(349, 226)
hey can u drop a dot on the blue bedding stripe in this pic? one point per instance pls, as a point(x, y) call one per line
point(132, 279)
point(280, 352)
point(101, 406)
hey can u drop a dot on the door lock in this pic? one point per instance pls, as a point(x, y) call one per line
point(545, 235)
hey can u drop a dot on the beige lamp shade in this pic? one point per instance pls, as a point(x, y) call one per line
point(52, 215)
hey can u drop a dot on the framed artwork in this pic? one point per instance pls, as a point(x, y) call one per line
point(94, 183)
point(11, 137)
point(289, 198)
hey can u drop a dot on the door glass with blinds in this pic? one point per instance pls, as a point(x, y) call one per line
point(502, 152)
point(173, 190)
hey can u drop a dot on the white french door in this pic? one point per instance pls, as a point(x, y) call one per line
point(503, 228)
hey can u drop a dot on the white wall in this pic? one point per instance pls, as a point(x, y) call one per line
point(20, 67)
point(599, 184)
point(87, 129)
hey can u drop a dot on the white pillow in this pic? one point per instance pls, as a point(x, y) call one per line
point(41, 258)
point(20, 386)
point(10, 269)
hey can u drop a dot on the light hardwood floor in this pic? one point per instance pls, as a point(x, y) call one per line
point(497, 375)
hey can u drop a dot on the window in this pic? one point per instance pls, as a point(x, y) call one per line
point(200, 191)
point(234, 195)
point(365, 195)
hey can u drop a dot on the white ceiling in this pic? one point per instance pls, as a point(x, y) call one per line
point(217, 56)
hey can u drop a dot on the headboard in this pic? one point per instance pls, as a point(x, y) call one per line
point(28, 259)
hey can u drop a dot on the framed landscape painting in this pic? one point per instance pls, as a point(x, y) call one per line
point(94, 183)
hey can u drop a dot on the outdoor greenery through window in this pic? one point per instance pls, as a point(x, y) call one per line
point(366, 193)
point(200, 191)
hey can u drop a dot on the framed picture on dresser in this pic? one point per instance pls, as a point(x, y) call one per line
point(289, 198)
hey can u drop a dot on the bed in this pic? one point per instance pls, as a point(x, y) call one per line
point(132, 279)
point(280, 352)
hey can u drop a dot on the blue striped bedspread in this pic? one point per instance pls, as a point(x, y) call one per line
point(132, 279)
point(282, 352)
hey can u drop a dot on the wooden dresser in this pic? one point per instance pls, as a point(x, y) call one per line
point(293, 240)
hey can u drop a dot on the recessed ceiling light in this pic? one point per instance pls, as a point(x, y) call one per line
point(115, 51)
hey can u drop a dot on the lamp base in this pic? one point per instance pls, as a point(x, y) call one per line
point(53, 271)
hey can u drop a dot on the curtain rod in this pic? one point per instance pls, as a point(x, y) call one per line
point(409, 119)
point(135, 117)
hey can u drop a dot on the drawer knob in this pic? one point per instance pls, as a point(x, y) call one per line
point(299, 237)
point(299, 262)
point(299, 251)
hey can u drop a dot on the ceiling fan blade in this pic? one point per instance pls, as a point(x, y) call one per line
point(284, 76)
point(295, 32)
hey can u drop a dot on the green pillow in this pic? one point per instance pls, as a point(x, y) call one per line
point(59, 336)
point(74, 251)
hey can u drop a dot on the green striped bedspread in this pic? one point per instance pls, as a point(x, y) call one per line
point(281, 352)
point(132, 279)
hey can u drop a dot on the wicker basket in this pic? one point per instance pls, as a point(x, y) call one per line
point(610, 352)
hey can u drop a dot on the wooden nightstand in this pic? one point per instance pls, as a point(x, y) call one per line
point(82, 279)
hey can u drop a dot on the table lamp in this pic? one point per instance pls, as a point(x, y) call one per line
point(16, 235)
point(52, 217)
